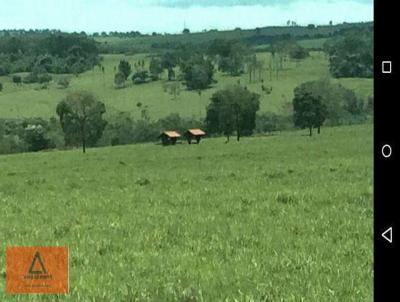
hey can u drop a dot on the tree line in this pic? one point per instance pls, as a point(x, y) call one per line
point(351, 54)
point(132, 42)
point(51, 53)
point(232, 111)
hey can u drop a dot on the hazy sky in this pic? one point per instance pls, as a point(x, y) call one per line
point(170, 16)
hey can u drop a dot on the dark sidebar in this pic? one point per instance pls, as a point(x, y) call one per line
point(386, 153)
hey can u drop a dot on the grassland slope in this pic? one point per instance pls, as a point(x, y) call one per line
point(30, 101)
point(280, 218)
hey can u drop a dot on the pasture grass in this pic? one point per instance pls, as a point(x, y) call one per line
point(276, 218)
point(30, 101)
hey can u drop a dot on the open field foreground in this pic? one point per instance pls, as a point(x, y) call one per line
point(279, 218)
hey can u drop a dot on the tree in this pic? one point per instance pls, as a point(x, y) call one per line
point(186, 31)
point(140, 77)
point(63, 82)
point(168, 62)
point(3, 71)
point(125, 68)
point(1, 87)
point(171, 74)
point(234, 64)
point(254, 67)
point(308, 109)
point(44, 78)
point(351, 54)
point(173, 89)
point(342, 105)
point(290, 47)
point(17, 79)
point(36, 138)
point(233, 109)
point(81, 118)
point(352, 104)
point(155, 68)
point(198, 73)
point(229, 55)
point(119, 80)
point(298, 52)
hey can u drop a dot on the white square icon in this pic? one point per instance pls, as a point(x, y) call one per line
point(387, 67)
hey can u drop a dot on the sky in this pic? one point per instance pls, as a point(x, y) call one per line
point(171, 16)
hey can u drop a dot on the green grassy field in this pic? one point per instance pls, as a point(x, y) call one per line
point(279, 218)
point(26, 101)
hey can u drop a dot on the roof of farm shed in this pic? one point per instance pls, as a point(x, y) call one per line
point(171, 134)
point(197, 132)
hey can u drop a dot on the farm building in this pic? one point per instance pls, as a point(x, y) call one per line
point(196, 134)
point(169, 137)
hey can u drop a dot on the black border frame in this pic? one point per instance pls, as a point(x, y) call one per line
point(386, 214)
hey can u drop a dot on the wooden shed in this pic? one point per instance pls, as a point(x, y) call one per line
point(169, 137)
point(196, 134)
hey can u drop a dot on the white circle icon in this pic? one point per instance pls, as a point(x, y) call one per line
point(386, 151)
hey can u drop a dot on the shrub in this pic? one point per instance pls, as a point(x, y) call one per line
point(12, 144)
point(140, 77)
point(77, 68)
point(269, 122)
point(3, 71)
point(298, 52)
point(119, 80)
point(16, 79)
point(144, 131)
point(124, 68)
point(30, 78)
point(44, 78)
point(119, 130)
point(63, 82)
point(175, 121)
point(32, 134)
point(155, 68)
point(59, 66)
point(36, 138)
point(21, 65)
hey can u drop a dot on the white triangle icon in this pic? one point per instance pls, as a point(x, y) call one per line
point(388, 234)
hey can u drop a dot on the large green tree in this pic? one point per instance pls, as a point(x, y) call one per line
point(342, 104)
point(125, 68)
point(168, 61)
point(308, 109)
point(198, 72)
point(351, 54)
point(155, 68)
point(81, 118)
point(233, 109)
point(229, 55)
